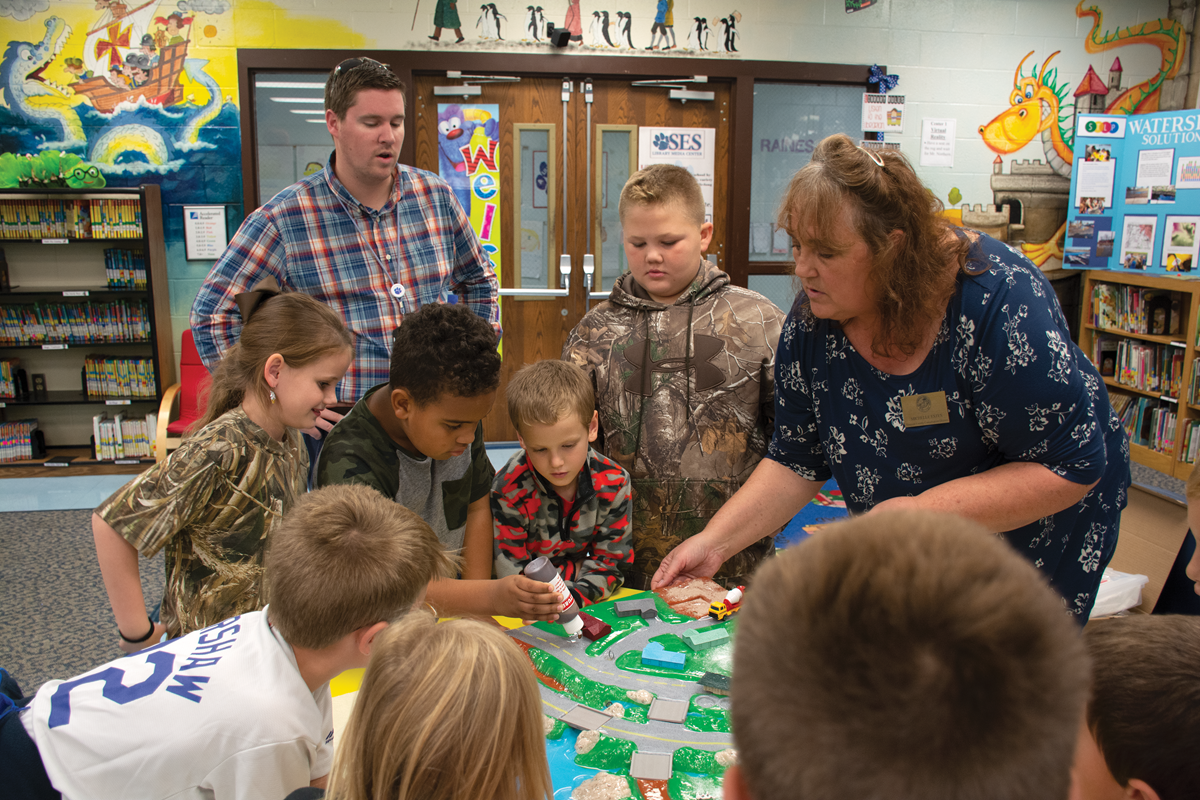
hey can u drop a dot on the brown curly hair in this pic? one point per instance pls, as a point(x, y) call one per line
point(911, 278)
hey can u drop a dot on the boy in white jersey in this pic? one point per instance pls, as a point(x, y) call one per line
point(241, 709)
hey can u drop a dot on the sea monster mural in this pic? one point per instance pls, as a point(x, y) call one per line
point(41, 103)
point(134, 127)
point(1039, 105)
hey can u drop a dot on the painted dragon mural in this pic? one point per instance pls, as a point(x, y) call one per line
point(1039, 107)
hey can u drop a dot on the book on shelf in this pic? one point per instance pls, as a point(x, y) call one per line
point(124, 320)
point(123, 437)
point(20, 440)
point(115, 376)
point(1104, 355)
point(78, 218)
point(1136, 309)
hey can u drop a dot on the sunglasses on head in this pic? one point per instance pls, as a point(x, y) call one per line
point(355, 63)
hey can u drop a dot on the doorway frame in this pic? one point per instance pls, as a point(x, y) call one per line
point(741, 75)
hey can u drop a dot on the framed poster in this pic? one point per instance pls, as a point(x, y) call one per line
point(204, 232)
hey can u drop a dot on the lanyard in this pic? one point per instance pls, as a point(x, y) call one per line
point(396, 290)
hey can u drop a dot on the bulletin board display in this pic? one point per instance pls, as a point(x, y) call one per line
point(1135, 194)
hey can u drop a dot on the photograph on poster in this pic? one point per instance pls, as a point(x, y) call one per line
point(1104, 243)
point(1081, 229)
point(1154, 167)
point(1187, 173)
point(1137, 241)
point(1079, 256)
point(1162, 194)
point(1179, 242)
point(1098, 152)
point(1131, 260)
point(1137, 195)
point(1178, 263)
point(1091, 205)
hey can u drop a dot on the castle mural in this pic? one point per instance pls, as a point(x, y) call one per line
point(1037, 191)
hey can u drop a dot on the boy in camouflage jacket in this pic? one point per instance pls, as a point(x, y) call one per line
point(557, 497)
point(682, 363)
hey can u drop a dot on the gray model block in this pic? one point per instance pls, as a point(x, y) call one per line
point(643, 607)
point(650, 766)
point(583, 718)
point(668, 710)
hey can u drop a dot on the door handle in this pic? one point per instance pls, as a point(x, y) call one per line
point(564, 272)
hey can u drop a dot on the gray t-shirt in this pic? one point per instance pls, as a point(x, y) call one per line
point(359, 450)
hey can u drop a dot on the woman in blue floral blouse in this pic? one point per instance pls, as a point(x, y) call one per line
point(924, 366)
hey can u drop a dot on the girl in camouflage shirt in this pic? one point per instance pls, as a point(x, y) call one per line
point(213, 502)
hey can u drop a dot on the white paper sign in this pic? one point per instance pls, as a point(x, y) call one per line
point(204, 232)
point(1154, 167)
point(691, 148)
point(883, 112)
point(937, 142)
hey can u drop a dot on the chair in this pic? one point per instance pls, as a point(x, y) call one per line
point(193, 380)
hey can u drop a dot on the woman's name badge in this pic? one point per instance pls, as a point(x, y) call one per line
point(924, 409)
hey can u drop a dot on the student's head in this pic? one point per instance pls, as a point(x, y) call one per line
point(446, 711)
point(904, 655)
point(444, 375)
point(1193, 515)
point(292, 347)
point(663, 229)
point(1143, 716)
point(364, 112)
point(553, 407)
point(344, 559)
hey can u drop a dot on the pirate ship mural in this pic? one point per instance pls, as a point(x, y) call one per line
point(1042, 107)
point(128, 63)
point(116, 90)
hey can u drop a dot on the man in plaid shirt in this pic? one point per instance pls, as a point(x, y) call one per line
point(371, 238)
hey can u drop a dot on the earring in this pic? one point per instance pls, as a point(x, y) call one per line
point(271, 394)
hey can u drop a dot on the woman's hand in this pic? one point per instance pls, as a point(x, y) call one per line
point(694, 558)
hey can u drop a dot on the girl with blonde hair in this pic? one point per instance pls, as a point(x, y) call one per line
point(214, 502)
point(446, 712)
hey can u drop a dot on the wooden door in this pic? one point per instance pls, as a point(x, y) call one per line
point(533, 236)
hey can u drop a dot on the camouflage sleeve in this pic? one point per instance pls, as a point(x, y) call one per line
point(153, 507)
point(346, 459)
point(513, 509)
point(599, 575)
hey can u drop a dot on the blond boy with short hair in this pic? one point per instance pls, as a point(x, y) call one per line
point(904, 655)
point(241, 709)
point(558, 497)
point(682, 363)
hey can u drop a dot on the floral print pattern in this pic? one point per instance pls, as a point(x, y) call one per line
point(1017, 390)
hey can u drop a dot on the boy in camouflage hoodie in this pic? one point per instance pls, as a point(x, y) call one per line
point(559, 498)
point(682, 363)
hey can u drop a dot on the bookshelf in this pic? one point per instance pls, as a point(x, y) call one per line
point(1153, 376)
point(85, 315)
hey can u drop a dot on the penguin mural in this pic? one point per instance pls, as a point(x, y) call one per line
point(597, 38)
point(539, 19)
point(531, 26)
point(698, 33)
point(489, 21)
point(624, 23)
point(729, 30)
point(604, 28)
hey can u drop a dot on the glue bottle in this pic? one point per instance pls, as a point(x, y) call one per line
point(540, 569)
